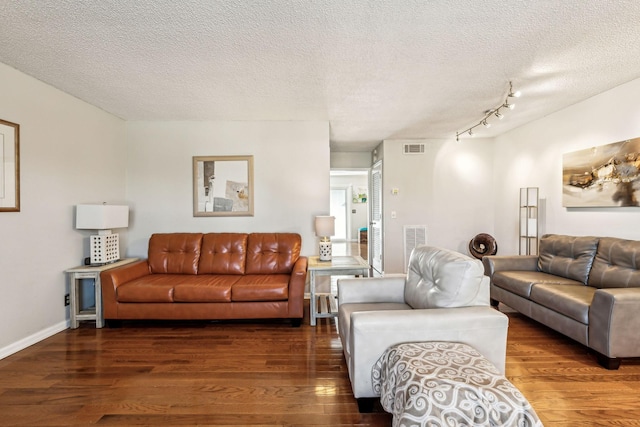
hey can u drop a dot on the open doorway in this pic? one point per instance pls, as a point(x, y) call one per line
point(349, 204)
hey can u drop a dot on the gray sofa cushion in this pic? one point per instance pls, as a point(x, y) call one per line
point(442, 278)
point(572, 301)
point(567, 256)
point(617, 264)
point(521, 282)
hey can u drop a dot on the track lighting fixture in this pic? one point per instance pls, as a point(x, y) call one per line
point(493, 112)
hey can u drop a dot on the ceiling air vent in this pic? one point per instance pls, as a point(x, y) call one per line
point(413, 148)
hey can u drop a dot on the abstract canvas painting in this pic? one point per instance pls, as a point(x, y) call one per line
point(603, 176)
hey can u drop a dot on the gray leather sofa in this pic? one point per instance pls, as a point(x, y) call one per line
point(587, 288)
point(443, 297)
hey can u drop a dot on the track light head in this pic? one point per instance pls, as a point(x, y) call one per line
point(498, 115)
point(486, 124)
point(509, 106)
point(513, 94)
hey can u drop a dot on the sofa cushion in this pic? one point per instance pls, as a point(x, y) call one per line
point(567, 256)
point(174, 253)
point(569, 300)
point(521, 282)
point(261, 287)
point(205, 288)
point(272, 253)
point(442, 278)
point(617, 264)
point(149, 288)
point(345, 311)
point(223, 253)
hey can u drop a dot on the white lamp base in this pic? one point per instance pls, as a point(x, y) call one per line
point(105, 248)
point(325, 251)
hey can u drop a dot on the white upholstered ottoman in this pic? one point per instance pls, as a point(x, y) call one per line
point(447, 384)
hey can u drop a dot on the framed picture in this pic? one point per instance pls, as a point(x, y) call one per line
point(223, 186)
point(9, 167)
point(603, 176)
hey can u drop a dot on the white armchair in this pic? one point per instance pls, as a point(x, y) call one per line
point(444, 297)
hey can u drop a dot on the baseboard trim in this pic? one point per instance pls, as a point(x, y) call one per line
point(32, 339)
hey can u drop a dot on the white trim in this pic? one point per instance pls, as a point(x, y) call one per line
point(33, 339)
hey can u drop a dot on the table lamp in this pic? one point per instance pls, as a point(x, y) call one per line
point(325, 228)
point(105, 246)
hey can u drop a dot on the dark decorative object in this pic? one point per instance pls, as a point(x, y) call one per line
point(483, 244)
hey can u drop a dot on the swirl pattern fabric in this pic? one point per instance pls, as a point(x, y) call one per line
point(447, 384)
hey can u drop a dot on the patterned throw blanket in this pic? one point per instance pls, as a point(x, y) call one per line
point(447, 384)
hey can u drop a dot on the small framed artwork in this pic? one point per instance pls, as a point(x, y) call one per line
point(223, 186)
point(9, 167)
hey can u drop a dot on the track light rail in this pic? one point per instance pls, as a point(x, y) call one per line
point(492, 112)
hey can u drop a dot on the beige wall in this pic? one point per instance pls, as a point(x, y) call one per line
point(291, 176)
point(70, 153)
point(448, 189)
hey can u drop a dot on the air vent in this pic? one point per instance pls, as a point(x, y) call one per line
point(413, 148)
point(414, 236)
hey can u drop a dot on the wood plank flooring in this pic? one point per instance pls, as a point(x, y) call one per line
point(269, 374)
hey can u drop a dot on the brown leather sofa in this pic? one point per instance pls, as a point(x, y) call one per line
point(210, 276)
point(587, 288)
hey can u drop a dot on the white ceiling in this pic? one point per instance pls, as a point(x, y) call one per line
point(375, 70)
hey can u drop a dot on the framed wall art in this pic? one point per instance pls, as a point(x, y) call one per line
point(603, 176)
point(9, 167)
point(223, 186)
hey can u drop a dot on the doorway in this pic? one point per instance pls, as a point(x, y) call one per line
point(349, 204)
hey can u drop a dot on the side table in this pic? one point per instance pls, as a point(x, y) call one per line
point(324, 305)
point(76, 313)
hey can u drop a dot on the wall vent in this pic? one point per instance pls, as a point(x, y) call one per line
point(414, 236)
point(413, 148)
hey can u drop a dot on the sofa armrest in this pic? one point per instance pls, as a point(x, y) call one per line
point(296, 288)
point(371, 289)
point(372, 332)
point(614, 323)
point(493, 263)
point(111, 279)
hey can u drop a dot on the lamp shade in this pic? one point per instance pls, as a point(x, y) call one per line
point(325, 226)
point(101, 217)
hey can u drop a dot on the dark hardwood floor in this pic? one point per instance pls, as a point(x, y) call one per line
point(269, 374)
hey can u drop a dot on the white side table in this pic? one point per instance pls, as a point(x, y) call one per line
point(322, 304)
point(76, 313)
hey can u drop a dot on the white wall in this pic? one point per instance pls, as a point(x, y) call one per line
point(291, 177)
point(70, 153)
point(448, 189)
point(531, 156)
point(350, 160)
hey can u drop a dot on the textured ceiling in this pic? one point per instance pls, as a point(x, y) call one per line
point(373, 69)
